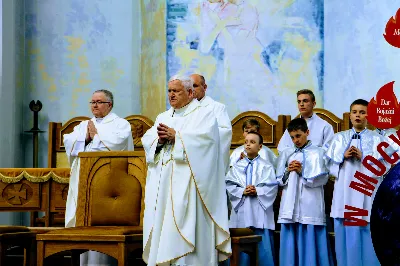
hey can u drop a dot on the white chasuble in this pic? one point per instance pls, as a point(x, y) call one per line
point(185, 219)
point(113, 134)
point(224, 126)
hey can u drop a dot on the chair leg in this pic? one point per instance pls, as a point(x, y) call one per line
point(3, 249)
point(122, 255)
point(75, 257)
point(254, 255)
point(235, 255)
point(40, 253)
point(30, 253)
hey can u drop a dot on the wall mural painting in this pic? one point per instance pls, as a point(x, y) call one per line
point(253, 53)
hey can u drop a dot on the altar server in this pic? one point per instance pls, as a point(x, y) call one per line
point(320, 130)
point(252, 189)
point(302, 173)
point(344, 155)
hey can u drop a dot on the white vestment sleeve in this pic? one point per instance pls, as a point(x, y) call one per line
point(285, 142)
point(225, 132)
point(266, 194)
point(114, 139)
point(328, 134)
point(179, 150)
point(149, 142)
point(333, 168)
point(75, 141)
point(235, 194)
point(316, 182)
point(97, 144)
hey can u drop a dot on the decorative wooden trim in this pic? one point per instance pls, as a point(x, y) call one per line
point(277, 127)
point(34, 178)
point(331, 116)
point(142, 118)
point(66, 126)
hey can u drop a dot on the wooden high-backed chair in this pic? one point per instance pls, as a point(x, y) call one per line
point(139, 124)
point(110, 208)
point(17, 236)
point(57, 158)
point(270, 130)
point(337, 123)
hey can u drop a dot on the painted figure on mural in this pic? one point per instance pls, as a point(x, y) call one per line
point(234, 24)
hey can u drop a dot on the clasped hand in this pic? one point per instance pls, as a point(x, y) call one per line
point(165, 133)
point(91, 131)
point(250, 190)
point(353, 152)
point(295, 166)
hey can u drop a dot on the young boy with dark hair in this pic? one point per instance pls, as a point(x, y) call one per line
point(252, 125)
point(252, 189)
point(302, 173)
point(344, 155)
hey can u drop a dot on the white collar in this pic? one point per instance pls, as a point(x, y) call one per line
point(106, 119)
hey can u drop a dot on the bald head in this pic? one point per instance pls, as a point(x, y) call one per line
point(199, 85)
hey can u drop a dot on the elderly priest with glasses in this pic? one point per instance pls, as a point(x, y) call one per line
point(104, 132)
point(185, 220)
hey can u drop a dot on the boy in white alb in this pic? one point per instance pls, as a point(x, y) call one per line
point(302, 173)
point(344, 155)
point(252, 189)
point(320, 130)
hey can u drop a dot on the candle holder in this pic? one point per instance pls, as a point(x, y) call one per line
point(35, 108)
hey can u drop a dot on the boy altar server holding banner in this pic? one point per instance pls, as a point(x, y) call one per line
point(344, 156)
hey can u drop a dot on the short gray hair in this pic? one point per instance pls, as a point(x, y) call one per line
point(108, 94)
point(187, 82)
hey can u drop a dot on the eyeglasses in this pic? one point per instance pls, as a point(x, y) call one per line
point(97, 103)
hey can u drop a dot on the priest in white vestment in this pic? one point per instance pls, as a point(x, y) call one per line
point(220, 112)
point(185, 218)
point(104, 132)
point(320, 130)
point(344, 156)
